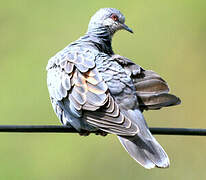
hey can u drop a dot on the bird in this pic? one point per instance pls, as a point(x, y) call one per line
point(93, 89)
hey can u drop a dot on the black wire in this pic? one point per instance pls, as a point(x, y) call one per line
point(65, 129)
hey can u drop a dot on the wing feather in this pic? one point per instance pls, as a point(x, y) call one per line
point(151, 89)
point(74, 81)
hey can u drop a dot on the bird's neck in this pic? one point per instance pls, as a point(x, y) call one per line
point(101, 38)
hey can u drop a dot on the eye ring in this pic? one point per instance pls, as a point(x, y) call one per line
point(114, 17)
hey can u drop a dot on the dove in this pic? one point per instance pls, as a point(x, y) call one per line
point(93, 89)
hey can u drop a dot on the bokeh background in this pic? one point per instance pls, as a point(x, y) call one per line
point(170, 38)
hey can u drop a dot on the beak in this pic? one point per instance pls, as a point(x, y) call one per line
point(125, 27)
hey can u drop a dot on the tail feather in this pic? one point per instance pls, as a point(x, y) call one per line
point(147, 153)
point(143, 147)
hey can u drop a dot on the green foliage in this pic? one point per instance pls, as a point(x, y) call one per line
point(169, 38)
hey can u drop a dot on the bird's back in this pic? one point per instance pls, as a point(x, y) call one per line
point(120, 84)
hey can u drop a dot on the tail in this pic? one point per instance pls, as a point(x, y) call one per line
point(143, 147)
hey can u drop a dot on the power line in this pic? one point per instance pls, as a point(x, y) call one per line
point(66, 129)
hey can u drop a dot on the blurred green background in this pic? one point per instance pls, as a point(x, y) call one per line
point(170, 38)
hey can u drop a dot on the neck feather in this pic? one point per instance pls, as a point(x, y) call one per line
point(102, 38)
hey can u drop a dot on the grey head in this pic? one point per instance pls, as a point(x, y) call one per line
point(110, 19)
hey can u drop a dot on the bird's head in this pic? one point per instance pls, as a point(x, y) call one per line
point(109, 18)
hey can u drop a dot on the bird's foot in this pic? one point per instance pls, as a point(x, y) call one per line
point(101, 133)
point(84, 133)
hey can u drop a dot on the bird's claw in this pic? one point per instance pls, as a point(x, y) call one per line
point(84, 133)
point(101, 133)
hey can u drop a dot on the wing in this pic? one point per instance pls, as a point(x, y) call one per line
point(152, 90)
point(77, 90)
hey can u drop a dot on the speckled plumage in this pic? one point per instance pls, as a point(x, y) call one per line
point(91, 88)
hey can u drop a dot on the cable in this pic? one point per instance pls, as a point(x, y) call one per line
point(66, 129)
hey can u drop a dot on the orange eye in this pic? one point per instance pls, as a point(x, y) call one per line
point(114, 17)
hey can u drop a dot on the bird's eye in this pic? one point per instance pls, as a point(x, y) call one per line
point(114, 17)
